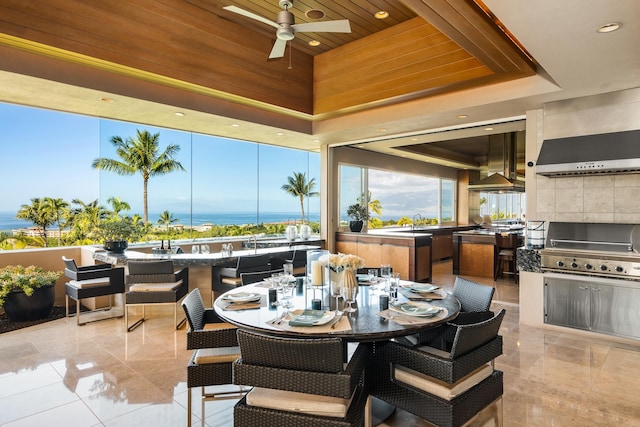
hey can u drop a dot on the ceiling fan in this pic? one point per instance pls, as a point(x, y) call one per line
point(286, 29)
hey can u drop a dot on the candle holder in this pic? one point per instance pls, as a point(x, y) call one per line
point(317, 274)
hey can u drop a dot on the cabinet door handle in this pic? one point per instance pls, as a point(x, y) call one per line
point(596, 289)
point(584, 288)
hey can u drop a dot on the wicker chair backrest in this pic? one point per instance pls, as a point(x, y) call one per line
point(469, 337)
point(193, 307)
point(150, 267)
point(472, 296)
point(314, 355)
point(258, 276)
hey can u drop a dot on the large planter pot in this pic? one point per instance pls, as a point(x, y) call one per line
point(116, 246)
point(21, 308)
point(356, 226)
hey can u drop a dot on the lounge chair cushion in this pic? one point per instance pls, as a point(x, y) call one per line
point(298, 402)
point(440, 388)
point(155, 287)
point(216, 355)
point(91, 283)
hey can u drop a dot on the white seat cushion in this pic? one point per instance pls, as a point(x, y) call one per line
point(91, 283)
point(314, 404)
point(155, 287)
point(216, 355)
point(440, 388)
point(235, 281)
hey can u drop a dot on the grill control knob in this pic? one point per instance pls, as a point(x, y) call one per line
point(603, 267)
point(560, 263)
point(588, 266)
point(574, 265)
point(619, 269)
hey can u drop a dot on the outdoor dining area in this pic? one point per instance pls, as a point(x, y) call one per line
point(345, 345)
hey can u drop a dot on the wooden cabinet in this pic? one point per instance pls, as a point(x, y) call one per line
point(408, 254)
point(442, 246)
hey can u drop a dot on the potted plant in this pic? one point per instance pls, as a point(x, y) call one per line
point(27, 293)
point(359, 213)
point(117, 233)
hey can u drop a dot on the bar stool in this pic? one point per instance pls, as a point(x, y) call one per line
point(505, 254)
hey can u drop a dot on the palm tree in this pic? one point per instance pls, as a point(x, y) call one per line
point(299, 187)
point(60, 210)
point(118, 206)
point(167, 219)
point(141, 156)
point(86, 217)
point(39, 212)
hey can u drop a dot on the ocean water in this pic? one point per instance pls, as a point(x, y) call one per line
point(9, 222)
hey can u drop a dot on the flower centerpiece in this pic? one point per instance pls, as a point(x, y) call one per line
point(343, 277)
point(27, 293)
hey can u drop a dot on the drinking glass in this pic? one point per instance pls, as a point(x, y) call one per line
point(349, 294)
point(372, 276)
point(385, 273)
point(394, 283)
point(288, 268)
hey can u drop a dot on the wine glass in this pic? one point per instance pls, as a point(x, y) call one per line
point(349, 294)
point(287, 286)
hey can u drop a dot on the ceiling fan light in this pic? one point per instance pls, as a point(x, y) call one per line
point(284, 34)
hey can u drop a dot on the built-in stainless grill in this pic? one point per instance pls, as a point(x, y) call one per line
point(606, 250)
point(592, 277)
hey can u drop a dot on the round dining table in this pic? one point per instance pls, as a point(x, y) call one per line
point(369, 324)
point(366, 324)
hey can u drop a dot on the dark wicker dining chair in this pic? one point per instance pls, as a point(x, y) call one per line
point(445, 386)
point(258, 276)
point(299, 382)
point(216, 347)
point(154, 283)
point(92, 281)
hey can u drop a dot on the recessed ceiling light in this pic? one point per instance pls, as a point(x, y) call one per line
point(381, 130)
point(179, 113)
point(235, 125)
point(314, 43)
point(280, 133)
point(314, 14)
point(611, 26)
point(106, 99)
point(489, 128)
point(316, 140)
point(461, 116)
point(381, 14)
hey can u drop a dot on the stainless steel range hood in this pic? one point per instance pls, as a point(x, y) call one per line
point(502, 162)
point(609, 153)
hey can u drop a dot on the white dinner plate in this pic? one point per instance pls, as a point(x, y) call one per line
point(419, 309)
point(242, 297)
point(310, 317)
point(421, 288)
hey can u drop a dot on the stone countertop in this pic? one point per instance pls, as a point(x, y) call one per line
point(420, 230)
point(187, 260)
point(528, 259)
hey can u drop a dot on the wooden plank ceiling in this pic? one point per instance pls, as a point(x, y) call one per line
point(424, 47)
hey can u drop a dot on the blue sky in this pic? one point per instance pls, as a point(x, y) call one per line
point(49, 154)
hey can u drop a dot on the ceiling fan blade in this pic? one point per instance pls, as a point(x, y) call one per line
point(251, 15)
point(278, 49)
point(339, 26)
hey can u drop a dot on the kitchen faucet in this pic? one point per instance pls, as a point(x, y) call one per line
point(255, 243)
point(413, 221)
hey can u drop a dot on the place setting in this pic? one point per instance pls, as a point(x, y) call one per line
point(312, 321)
point(414, 312)
point(422, 291)
point(241, 301)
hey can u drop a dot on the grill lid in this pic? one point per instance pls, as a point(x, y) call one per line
point(601, 237)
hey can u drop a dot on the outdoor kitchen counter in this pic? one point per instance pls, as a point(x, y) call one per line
point(474, 251)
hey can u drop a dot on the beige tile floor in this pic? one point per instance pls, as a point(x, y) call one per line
point(59, 374)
